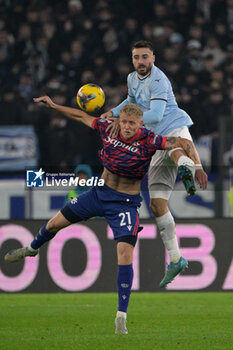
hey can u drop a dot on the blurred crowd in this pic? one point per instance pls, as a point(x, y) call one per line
point(49, 47)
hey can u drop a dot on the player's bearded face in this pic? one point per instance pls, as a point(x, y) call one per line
point(129, 125)
point(143, 60)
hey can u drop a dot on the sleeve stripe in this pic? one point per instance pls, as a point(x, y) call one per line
point(163, 99)
point(93, 123)
point(164, 142)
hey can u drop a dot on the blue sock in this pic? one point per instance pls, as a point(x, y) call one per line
point(124, 284)
point(42, 237)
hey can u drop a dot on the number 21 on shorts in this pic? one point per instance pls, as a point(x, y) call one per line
point(124, 217)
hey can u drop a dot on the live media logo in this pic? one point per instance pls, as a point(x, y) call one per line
point(38, 178)
point(35, 178)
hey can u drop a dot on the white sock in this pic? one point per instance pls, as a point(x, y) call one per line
point(166, 226)
point(121, 314)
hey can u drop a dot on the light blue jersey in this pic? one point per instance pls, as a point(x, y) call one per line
point(154, 95)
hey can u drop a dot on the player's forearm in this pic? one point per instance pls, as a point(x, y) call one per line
point(116, 110)
point(70, 112)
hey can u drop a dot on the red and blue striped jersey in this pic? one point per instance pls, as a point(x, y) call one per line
point(128, 158)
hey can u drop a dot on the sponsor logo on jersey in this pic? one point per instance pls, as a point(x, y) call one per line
point(118, 143)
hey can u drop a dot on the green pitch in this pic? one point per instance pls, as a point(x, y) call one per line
point(86, 321)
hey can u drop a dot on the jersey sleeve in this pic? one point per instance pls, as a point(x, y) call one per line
point(130, 89)
point(156, 112)
point(159, 90)
point(156, 142)
point(100, 124)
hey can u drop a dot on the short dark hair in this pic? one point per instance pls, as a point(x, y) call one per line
point(143, 43)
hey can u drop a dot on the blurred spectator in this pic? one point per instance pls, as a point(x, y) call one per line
point(199, 19)
point(213, 109)
point(213, 48)
point(218, 79)
point(130, 33)
point(160, 13)
point(191, 82)
point(122, 70)
point(87, 76)
point(147, 32)
point(57, 134)
point(25, 87)
point(205, 74)
point(82, 171)
point(222, 34)
point(12, 112)
point(196, 32)
point(194, 56)
point(183, 14)
point(24, 44)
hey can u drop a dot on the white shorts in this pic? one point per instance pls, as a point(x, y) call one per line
point(162, 172)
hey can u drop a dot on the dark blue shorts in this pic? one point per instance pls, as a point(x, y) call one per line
point(119, 209)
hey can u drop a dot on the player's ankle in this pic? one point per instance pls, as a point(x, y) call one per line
point(121, 314)
point(184, 160)
point(31, 249)
point(175, 259)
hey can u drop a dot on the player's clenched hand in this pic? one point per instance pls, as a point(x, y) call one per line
point(46, 100)
point(114, 128)
point(201, 178)
point(106, 115)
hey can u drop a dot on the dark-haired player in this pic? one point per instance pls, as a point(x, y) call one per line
point(150, 89)
point(126, 159)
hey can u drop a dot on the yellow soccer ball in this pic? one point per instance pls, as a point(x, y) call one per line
point(90, 98)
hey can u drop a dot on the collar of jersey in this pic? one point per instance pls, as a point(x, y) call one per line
point(140, 78)
point(132, 138)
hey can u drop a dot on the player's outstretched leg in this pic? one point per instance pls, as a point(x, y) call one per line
point(32, 250)
point(173, 270)
point(46, 233)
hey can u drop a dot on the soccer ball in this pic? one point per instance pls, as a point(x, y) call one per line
point(90, 98)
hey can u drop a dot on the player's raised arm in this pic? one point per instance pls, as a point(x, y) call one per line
point(69, 112)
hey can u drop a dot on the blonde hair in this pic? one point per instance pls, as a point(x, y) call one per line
point(130, 109)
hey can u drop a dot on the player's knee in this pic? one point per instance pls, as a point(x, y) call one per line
point(124, 253)
point(158, 206)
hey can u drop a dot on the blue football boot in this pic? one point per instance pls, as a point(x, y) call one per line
point(173, 270)
point(187, 178)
